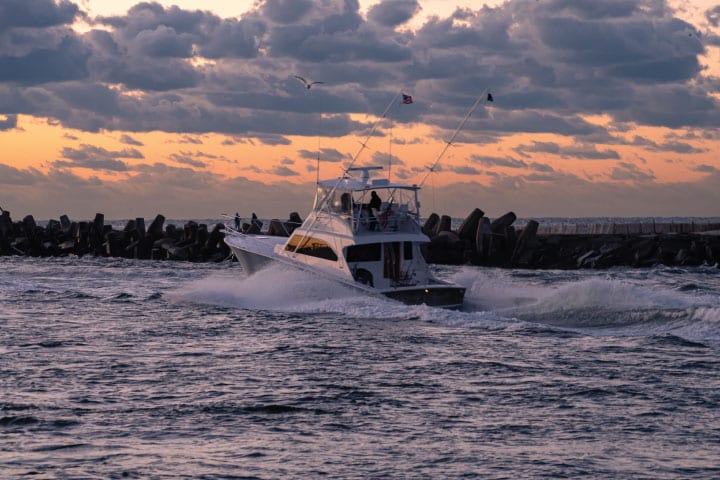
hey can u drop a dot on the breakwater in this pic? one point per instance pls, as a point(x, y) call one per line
point(192, 242)
point(478, 240)
point(482, 241)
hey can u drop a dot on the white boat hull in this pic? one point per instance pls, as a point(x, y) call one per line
point(255, 252)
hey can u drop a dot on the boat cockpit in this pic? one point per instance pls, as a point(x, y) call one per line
point(350, 200)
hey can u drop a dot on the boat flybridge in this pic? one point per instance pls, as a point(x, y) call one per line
point(376, 250)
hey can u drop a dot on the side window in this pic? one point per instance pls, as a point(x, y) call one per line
point(312, 247)
point(363, 253)
point(408, 250)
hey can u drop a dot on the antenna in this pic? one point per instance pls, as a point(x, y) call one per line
point(488, 97)
point(365, 172)
point(390, 152)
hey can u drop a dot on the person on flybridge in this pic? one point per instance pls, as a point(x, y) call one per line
point(374, 208)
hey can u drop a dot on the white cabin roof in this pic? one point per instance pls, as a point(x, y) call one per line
point(356, 184)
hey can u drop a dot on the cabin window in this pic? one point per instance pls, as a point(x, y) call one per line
point(408, 250)
point(369, 252)
point(312, 247)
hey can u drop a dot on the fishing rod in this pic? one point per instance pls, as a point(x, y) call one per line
point(363, 146)
point(484, 95)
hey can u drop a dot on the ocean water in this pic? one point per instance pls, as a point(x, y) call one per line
point(113, 368)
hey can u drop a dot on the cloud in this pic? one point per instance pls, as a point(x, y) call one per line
point(704, 168)
point(630, 171)
point(391, 13)
point(97, 158)
point(534, 199)
point(329, 155)
point(186, 159)
point(15, 177)
point(283, 171)
point(128, 140)
point(36, 13)
point(191, 71)
point(383, 158)
point(272, 139)
point(190, 139)
point(286, 11)
point(713, 16)
point(8, 123)
point(670, 146)
point(552, 65)
point(490, 161)
point(158, 189)
point(65, 61)
point(576, 152)
point(464, 170)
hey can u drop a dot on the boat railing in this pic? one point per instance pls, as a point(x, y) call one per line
point(387, 220)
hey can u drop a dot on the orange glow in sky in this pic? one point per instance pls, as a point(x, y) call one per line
point(506, 145)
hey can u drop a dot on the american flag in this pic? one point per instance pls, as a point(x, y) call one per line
point(407, 99)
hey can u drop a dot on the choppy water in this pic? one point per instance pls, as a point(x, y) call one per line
point(139, 369)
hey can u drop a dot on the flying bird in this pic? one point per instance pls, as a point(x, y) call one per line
point(305, 82)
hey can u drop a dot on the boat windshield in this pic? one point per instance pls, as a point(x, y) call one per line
point(375, 208)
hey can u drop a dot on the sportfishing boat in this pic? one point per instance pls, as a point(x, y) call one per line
point(361, 232)
point(372, 246)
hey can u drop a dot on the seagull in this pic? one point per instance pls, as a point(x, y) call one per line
point(307, 84)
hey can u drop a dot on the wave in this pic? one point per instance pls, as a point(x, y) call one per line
point(283, 289)
point(597, 303)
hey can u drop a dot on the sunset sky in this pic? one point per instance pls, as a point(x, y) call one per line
point(190, 108)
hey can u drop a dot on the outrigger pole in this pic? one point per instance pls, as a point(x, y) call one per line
point(452, 138)
point(363, 146)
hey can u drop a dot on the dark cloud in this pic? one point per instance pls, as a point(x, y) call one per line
point(391, 13)
point(550, 64)
point(36, 13)
point(128, 140)
point(590, 10)
point(163, 41)
point(8, 123)
point(189, 139)
point(286, 11)
point(16, 177)
point(97, 158)
point(669, 146)
point(464, 170)
point(630, 171)
point(489, 161)
point(187, 159)
point(329, 155)
point(234, 38)
point(713, 16)
point(89, 151)
point(206, 155)
point(66, 61)
point(509, 162)
point(271, 139)
point(704, 168)
point(384, 159)
point(575, 152)
point(283, 171)
point(147, 16)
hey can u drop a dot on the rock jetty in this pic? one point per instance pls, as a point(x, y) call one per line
point(481, 241)
point(478, 240)
point(193, 242)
